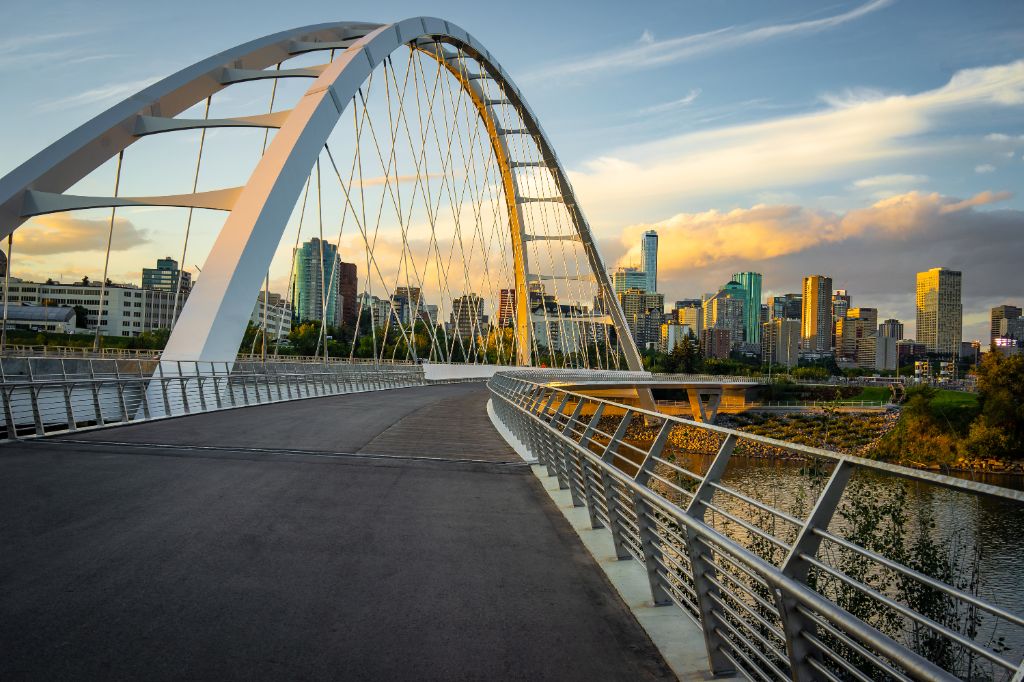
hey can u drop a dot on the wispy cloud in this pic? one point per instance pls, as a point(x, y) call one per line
point(65, 233)
point(102, 94)
point(35, 49)
point(665, 107)
point(895, 179)
point(782, 153)
point(984, 168)
point(649, 52)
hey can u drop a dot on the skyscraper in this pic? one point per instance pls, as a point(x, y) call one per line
point(785, 307)
point(507, 308)
point(939, 311)
point(856, 336)
point(751, 283)
point(316, 264)
point(649, 255)
point(816, 316)
point(1000, 313)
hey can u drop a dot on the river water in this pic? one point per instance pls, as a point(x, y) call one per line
point(964, 522)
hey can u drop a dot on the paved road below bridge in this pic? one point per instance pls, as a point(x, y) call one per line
point(389, 535)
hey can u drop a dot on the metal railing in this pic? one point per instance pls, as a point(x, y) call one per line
point(774, 590)
point(44, 397)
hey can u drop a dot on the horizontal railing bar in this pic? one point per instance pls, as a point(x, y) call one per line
point(753, 649)
point(745, 524)
point(841, 636)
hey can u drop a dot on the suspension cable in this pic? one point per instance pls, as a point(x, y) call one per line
point(106, 261)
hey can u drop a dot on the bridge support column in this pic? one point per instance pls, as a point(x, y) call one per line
point(704, 413)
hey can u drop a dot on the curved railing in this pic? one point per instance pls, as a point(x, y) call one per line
point(780, 590)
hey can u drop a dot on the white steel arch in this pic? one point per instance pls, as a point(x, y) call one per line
point(214, 318)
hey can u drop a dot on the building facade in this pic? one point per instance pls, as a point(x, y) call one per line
point(629, 278)
point(468, 319)
point(507, 309)
point(940, 311)
point(841, 302)
point(277, 313)
point(891, 328)
point(1000, 313)
point(644, 312)
point(785, 307)
point(751, 283)
point(816, 314)
point(348, 288)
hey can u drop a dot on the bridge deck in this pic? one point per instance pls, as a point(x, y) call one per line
point(124, 560)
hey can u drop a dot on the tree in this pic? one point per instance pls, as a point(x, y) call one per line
point(999, 429)
point(81, 317)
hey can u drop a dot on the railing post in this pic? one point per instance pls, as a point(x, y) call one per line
point(571, 458)
point(97, 407)
point(588, 482)
point(717, 660)
point(12, 429)
point(555, 449)
point(611, 497)
point(650, 541)
point(807, 542)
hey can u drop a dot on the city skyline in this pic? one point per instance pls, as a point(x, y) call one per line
point(869, 174)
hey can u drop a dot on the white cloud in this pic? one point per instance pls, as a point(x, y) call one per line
point(650, 52)
point(984, 168)
point(898, 179)
point(641, 181)
point(684, 101)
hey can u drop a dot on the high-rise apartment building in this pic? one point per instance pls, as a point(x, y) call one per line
point(164, 277)
point(314, 295)
point(629, 278)
point(891, 329)
point(856, 336)
point(785, 307)
point(649, 255)
point(727, 310)
point(1000, 313)
point(751, 283)
point(780, 342)
point(940, 311)
point(277, 313)
point(841, 302)
point(816, 314)
point(468, 319)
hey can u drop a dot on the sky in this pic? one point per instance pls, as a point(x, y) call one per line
point(861, 139)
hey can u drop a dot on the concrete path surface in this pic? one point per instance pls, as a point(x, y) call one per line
point(260, 544)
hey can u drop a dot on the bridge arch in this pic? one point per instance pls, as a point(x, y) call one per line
point(213, 320)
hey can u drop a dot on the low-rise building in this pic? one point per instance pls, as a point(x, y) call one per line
point(56, 319)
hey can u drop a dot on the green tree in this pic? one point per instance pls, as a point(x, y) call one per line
point(998, 431)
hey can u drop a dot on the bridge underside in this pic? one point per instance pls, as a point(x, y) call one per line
point(310, 539)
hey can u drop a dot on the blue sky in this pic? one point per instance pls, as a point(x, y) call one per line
point(863, 139)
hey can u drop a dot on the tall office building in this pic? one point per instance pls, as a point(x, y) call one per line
point(816, 314)
point(1000, 313)
point(727, 310)
point(691, 315)
point(785, 307)
point(891, 329)
point(856, 336)
point(841, 302)
point(751, 283)
point(164, 277)
point(649, 255)
point(940, 311)
point(629, 278)
point(316, 263)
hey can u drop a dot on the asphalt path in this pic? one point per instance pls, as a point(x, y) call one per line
point(274, 543)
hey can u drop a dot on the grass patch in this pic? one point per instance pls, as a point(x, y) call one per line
point(874, 394)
